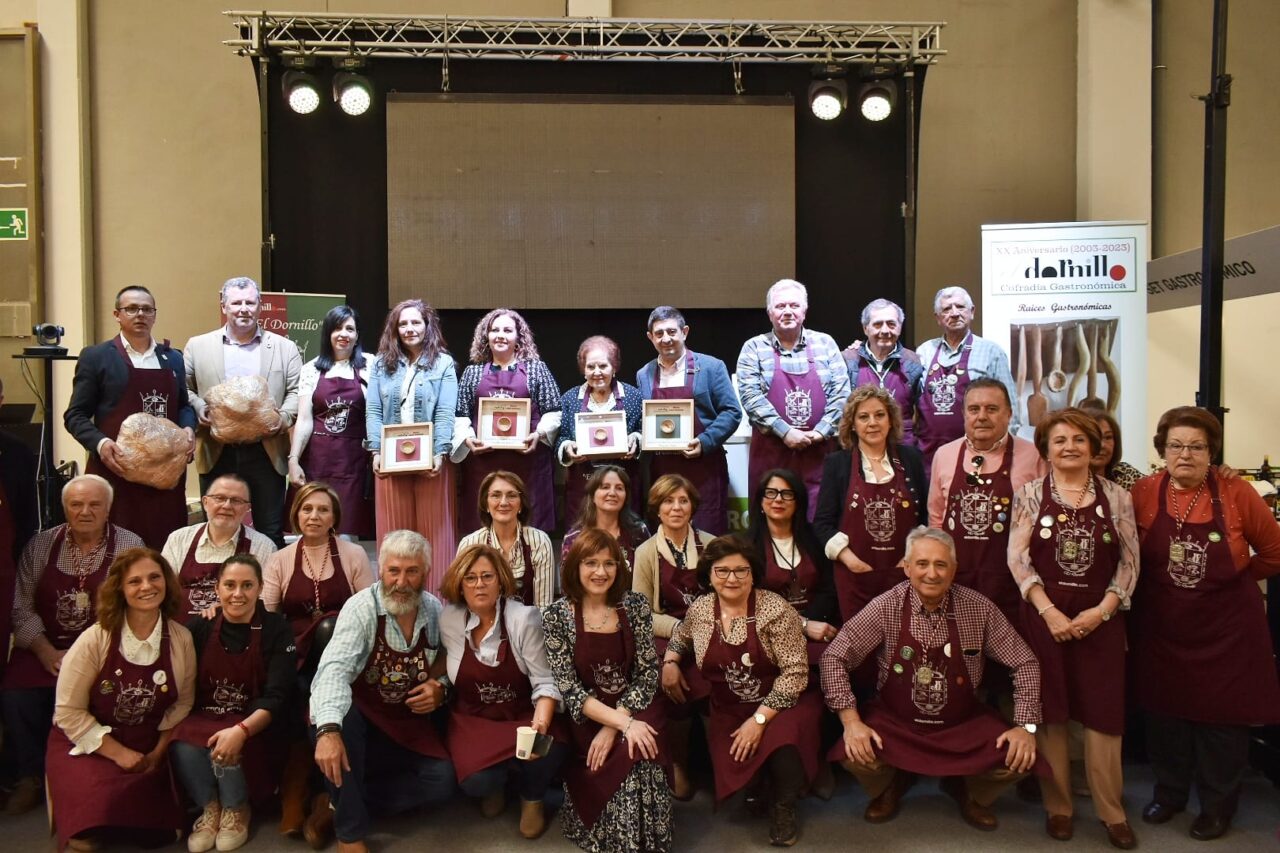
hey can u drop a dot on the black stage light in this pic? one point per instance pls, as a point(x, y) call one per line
point(876, 99)
point(352, 92)
point(301, 91)
point(828, 98)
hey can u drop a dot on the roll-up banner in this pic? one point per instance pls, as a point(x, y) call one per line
point(1068, 301)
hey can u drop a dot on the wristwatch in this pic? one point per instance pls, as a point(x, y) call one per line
point(1106, 614)
point(1030, 727)
point(760, 719)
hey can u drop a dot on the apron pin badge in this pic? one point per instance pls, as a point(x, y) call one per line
point(106, 687)
point(1106, 537)
point(907, 652)
point(746, 658)
point(1046, 521)
point(946, 650)
point(897, 667)
point(1045, 533)
point(998, 527)
point(1062, 517)
point(1215, 536)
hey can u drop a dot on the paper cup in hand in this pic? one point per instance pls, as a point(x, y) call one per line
point(525, 736)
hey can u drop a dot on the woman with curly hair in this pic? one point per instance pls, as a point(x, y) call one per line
point(505, 363)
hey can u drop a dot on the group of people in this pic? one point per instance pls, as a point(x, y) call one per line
point(920, 592)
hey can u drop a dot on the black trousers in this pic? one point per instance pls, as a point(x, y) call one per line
point(1214, 757)
point(266, 486)
point(783, 776)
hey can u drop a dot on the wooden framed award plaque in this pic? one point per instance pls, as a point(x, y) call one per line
point(667, 425)
point(503, 422)
point(407, 448)
point(601, 434)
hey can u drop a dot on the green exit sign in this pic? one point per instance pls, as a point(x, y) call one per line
point(13, 223)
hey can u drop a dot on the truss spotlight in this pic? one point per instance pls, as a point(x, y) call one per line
point(828, 98)
point(301, 91)
point(352, 92)
point(876, 100)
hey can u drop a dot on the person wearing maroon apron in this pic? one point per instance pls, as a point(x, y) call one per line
point(497, 663)
point(200, 580)
point(1203, 667)
point(941, 409)
point(932, 638)
point(307, 601)
point(881, 359)
point(1081, 568)
point(504, 510)
point(113, 382)
point(978, 513)
point(335, 452)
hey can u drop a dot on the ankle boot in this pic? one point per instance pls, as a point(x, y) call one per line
point(293, 789)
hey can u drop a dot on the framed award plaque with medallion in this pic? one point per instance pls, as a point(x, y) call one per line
point(601, 434)
point(407, 448)
point(667, 425)
point(503, 421)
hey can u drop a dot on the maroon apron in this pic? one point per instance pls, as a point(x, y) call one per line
point(926, 713)
point(740, 677)
point(942, 401)
point(335, 453)
point(800, 401)
point(226, 684)
point(709, 472)
point(8, 572)
point(1081, 679)
point(381, 687)
point(88, 792)
point(1201, 647)
point(796, 584)
point(527, 593)
point(66, 604)
point(536, 468)
point(151, 513)
point(489, 704)
point(604, 663)
point(677, 589)
point(877, 518)
point(978, 516)
point(305, 601)
point(577, 474)
point(896, 383)
point(200, 580)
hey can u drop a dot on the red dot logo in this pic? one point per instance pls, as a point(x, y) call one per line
point(1117, 273)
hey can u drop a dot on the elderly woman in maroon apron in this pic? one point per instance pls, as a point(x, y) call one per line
point(329, 434)
point(504, 510)
point(931, 642)
point(125, 684)
point(607, 506)
point(665, 574)
point(496, 659)
point(1073, 552)
point(600, 647)
point(505, 363)
point(222, 752)
point(678, 373)
point(599, 359)
point(765, 725)
point(1203, 666)
point(873, 492)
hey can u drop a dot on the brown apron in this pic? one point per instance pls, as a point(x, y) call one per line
point(800, 401)
point(796, 584)
point(877, 518)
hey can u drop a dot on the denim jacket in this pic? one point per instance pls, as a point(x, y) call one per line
point(435, 392)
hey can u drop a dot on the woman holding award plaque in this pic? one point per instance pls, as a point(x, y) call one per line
point(603, 438)
point(1202, 661)
point(413, 381)
point(1073, 551)
point(507, 437)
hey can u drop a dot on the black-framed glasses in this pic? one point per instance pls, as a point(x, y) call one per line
point(738, 572)
point(786, 495)
point(135, 310)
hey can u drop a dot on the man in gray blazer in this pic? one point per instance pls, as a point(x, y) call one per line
point(242, 348)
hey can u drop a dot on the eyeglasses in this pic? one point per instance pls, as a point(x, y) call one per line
point(1175, 448)
point(607, 565)
point(479, 580)
point(499, 497)
point(135, 310)
point(786, 495)
point(226, 500)
point(738, 572)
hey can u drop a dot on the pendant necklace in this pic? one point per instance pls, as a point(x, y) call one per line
point(1178, 551)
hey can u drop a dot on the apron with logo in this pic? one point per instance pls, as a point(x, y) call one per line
point(305, 601)
point(877, 518)
point(800, 401)
point(335, 453)
point(709, 472)
point(200, 580)
point(979, 507)
point(942, 402)
point(380, 690)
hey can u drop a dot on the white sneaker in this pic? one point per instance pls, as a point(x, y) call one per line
point(233, 831)
point(205, 830)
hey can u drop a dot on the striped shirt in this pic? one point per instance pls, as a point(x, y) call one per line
point(540, 551)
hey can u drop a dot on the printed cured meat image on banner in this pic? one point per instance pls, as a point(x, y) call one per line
point(1066, 363)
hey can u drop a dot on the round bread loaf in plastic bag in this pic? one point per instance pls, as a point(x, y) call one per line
point(152, 451)
point(241, 410)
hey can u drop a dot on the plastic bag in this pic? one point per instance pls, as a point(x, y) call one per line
point(241, 410)
point(152, 451)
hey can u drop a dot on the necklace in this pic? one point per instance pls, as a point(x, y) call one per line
point(1084, 491)
point(924, 669)
point(1178, 551)
point(604, 623)
point(787, 562)
point(678, 554)
point(79, 561)
point(311, 573)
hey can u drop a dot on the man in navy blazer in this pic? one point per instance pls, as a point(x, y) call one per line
point(131, 372)
point(679, 373)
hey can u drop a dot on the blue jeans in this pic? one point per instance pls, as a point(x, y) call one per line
point(384, 777)
point(532, 777)
point(203, 782)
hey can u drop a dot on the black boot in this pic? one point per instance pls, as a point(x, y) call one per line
point(783, 829)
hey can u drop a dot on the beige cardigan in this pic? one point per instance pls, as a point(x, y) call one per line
point(646, 578)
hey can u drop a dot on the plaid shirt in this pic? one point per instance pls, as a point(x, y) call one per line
point(980, 624)
point(986, 359)
point(755, 376)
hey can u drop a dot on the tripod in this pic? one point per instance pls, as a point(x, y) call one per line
point(47, 481)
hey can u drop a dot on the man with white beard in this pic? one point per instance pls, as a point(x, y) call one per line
point(372, 697)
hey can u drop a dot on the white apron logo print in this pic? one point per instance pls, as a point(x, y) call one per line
point(942, 391)
point(155, 403)
point(203, 594)
point(495, 694)
point(881, 520)
point(930, 697)
point(741, 681)
point(797, 594)
point(975, 514)
point(1192, 561)
point(501, 393)
point(689, 598)
point(335, 419)
point(134, 703)
point(609, 677)
point(1074, 550)
point(228, 698)
point(72, 610)
point(799, 407)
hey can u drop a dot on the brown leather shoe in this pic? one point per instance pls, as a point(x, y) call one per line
point(884, 808)
point(533, 820)
point(1121, 836)
point(317, 830)
point(1059, 827)
point(976, 815)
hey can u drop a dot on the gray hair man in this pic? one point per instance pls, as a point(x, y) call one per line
point(881, 359)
